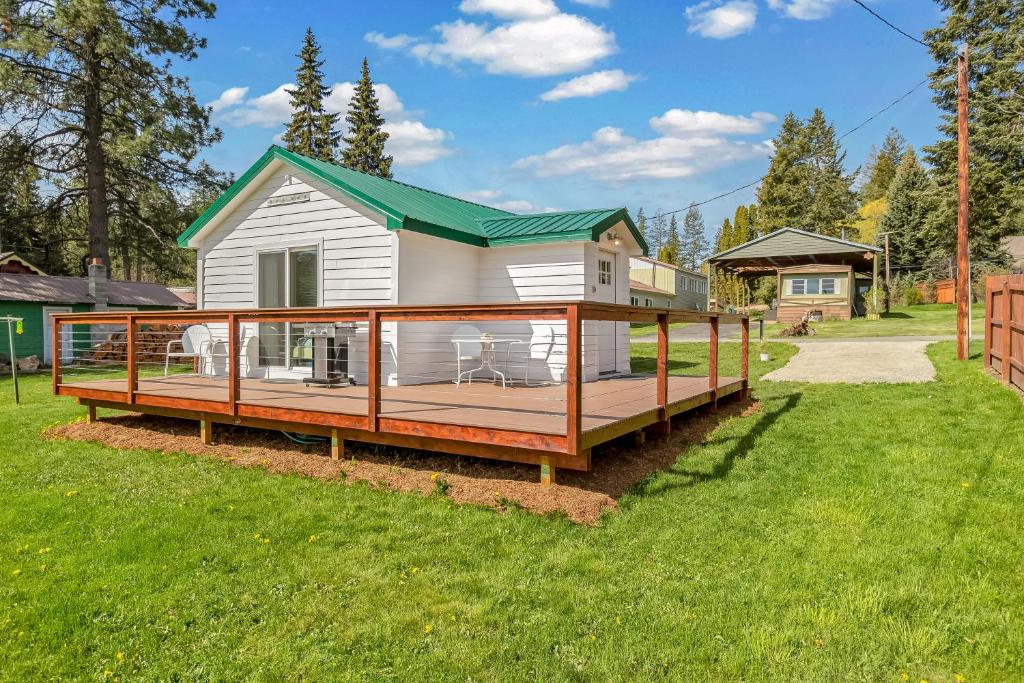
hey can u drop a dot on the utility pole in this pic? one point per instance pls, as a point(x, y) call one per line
point(963, 282)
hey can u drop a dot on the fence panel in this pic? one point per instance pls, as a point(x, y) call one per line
point(1004, 328)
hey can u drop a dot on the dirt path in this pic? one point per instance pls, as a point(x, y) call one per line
point(891, 361)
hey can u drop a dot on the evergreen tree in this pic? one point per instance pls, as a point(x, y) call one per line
point(673, 245)
point(993, 29)
point(641, 226)
point(741, 226)
point(91, 87)
point(833, 203)
point(694, 244)
point(722, 290)
point(785, 192)
point(881, 167)
point(657, 232)
point(366, 134)
point(312, 130)
point(910, 203)
point(755, 227)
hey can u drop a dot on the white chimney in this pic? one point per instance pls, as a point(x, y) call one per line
point(98, 284)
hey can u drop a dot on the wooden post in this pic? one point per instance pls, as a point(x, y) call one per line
point(573, 373)
point(1007, 331)
point(58, 353)
point(206, 432)
point(132, 362)
point(337, 445)
point(745, 356)
point(664, 425)
point(639, 438)
point(373, 370)
point(547, 471)
point(234, 382)
point(986, 358)
point(963, 282)
point(92, 412)
point(713, 362)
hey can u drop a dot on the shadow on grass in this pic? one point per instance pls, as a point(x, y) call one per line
point(685, 478)
point(896, 316)
point(640, 365)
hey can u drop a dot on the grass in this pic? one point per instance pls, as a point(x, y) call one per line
point(645, 330)
point(841, 533)
point(923, 320)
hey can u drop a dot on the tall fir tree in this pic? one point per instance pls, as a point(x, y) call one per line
point(833, 203)
point(755, 227)
point(741, 226)
point(670, 251)
point(366, 134)
point(785, 192)
point(312, 130)
point(92, 86)
point(910, 203)
point(657, 232)
point(993, 29)
point(881, 166)
point(694, 243)
point(641, 226)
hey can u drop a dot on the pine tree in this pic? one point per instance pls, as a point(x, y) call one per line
point(694, 248)
point(833, 203)
point(312, 130)
point(366, 134)
point(755, 227)
point(881, 166)
point(910, 204)
point(641, 226)
point(993, 30)
point(670, 252)
point(785, 193)
point(657, 232)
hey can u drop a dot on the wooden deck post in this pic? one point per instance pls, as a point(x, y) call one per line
point(573, 379)
point(547, 471)
point(206, 432)
point(131, 360)
point(989, 303)
point(664, 424)
point(713, 362)
point(234, 383)
point(58, 352)
point(1007, 331)
point(92, 412)
point(337, 445)
point(745, 356)
point(373, 371)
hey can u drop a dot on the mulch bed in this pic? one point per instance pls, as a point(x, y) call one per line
point(581, 496)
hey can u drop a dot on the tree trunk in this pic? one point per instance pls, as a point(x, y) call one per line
point(95, 162)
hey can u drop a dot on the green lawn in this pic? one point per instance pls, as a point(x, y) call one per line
point(641, 330)
point(924, 320)
point(842, 533)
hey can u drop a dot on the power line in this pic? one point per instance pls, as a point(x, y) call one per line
point(888, 23)
point(809, 154)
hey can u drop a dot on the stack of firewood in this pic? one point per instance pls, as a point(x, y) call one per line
point(150, 346)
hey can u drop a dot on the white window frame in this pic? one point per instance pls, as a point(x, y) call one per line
point(604, 275)
point(803, 286)
point(833, 286)
point(286, 248)
point(634, 301)
point(648, 302)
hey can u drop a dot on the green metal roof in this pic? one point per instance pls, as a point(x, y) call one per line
point(408, 207)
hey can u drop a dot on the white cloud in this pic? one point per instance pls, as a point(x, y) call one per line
point(510, 9)
point(481, 196)
point(717, 19)
point(228, 98)
point(534, 38)
point(690, 143)
point(806, 10)
point(590, 85)
point(411, 141)
point(682, 122)
point(594, 3)
point(396, 42)
point(494, 198)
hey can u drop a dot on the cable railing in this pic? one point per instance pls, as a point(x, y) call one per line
point(544, 377)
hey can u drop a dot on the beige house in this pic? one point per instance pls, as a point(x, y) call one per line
point(666, 285)
point(815, 274)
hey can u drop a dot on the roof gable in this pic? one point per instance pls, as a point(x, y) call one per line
point(407, 207)
point(787, 242)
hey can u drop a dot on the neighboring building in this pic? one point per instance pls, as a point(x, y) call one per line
point(295, 231)
point(675, 287)
point(10, 262)
point(186, 294)
point(814, 273)
point(34, 297)
point(1014, 247)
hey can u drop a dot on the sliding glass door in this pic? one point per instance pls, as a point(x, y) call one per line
point(286, 279)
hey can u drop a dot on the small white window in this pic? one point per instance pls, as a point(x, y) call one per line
point(813, 285)
point(797, 287)
point(828, 285)
point(648, 303)
point(604, 271)
point(634, 301)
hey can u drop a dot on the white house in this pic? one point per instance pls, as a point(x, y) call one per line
point(295, 231)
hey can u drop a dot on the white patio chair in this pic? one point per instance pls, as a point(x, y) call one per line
point(468, 351)
point(533, 351)
point(196, 342)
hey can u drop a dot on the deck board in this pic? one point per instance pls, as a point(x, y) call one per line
point(539, 410)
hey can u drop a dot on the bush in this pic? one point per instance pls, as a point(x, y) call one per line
point(912, 296)
point(872, 310)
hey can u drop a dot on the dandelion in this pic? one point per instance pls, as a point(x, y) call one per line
point(618, 620)
point(21, 550)
point(70, 493)
point(43, 551)
point(434, 476)
point(16, 572)
point(959, 678)
point(119, 656)
point(42, 567)
point(428, 629)
point(231, 508)
point(966, 484)
point(593, 637)
point(414, 570)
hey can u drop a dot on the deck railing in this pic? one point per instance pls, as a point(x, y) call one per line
point(133, 348)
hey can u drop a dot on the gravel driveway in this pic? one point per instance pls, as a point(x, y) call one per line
point(892, 361)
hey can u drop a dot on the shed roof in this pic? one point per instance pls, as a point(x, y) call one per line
point(407, 207)
point(8, 256)
point(75, 290)
point(644, 287)
point(790, 246)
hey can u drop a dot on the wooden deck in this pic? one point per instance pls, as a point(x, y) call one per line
point(539, 410)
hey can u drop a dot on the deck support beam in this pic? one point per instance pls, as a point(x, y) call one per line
point(639, 438)
point(92, 412)
point(337, 445)
point(547, 471)
point(206, 432)
point(713, 364)
point(745, 357)
point(664, 425)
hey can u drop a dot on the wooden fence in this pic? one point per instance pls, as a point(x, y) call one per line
point(1004, 328)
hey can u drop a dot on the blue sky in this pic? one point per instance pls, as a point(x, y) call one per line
point(566, 104)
